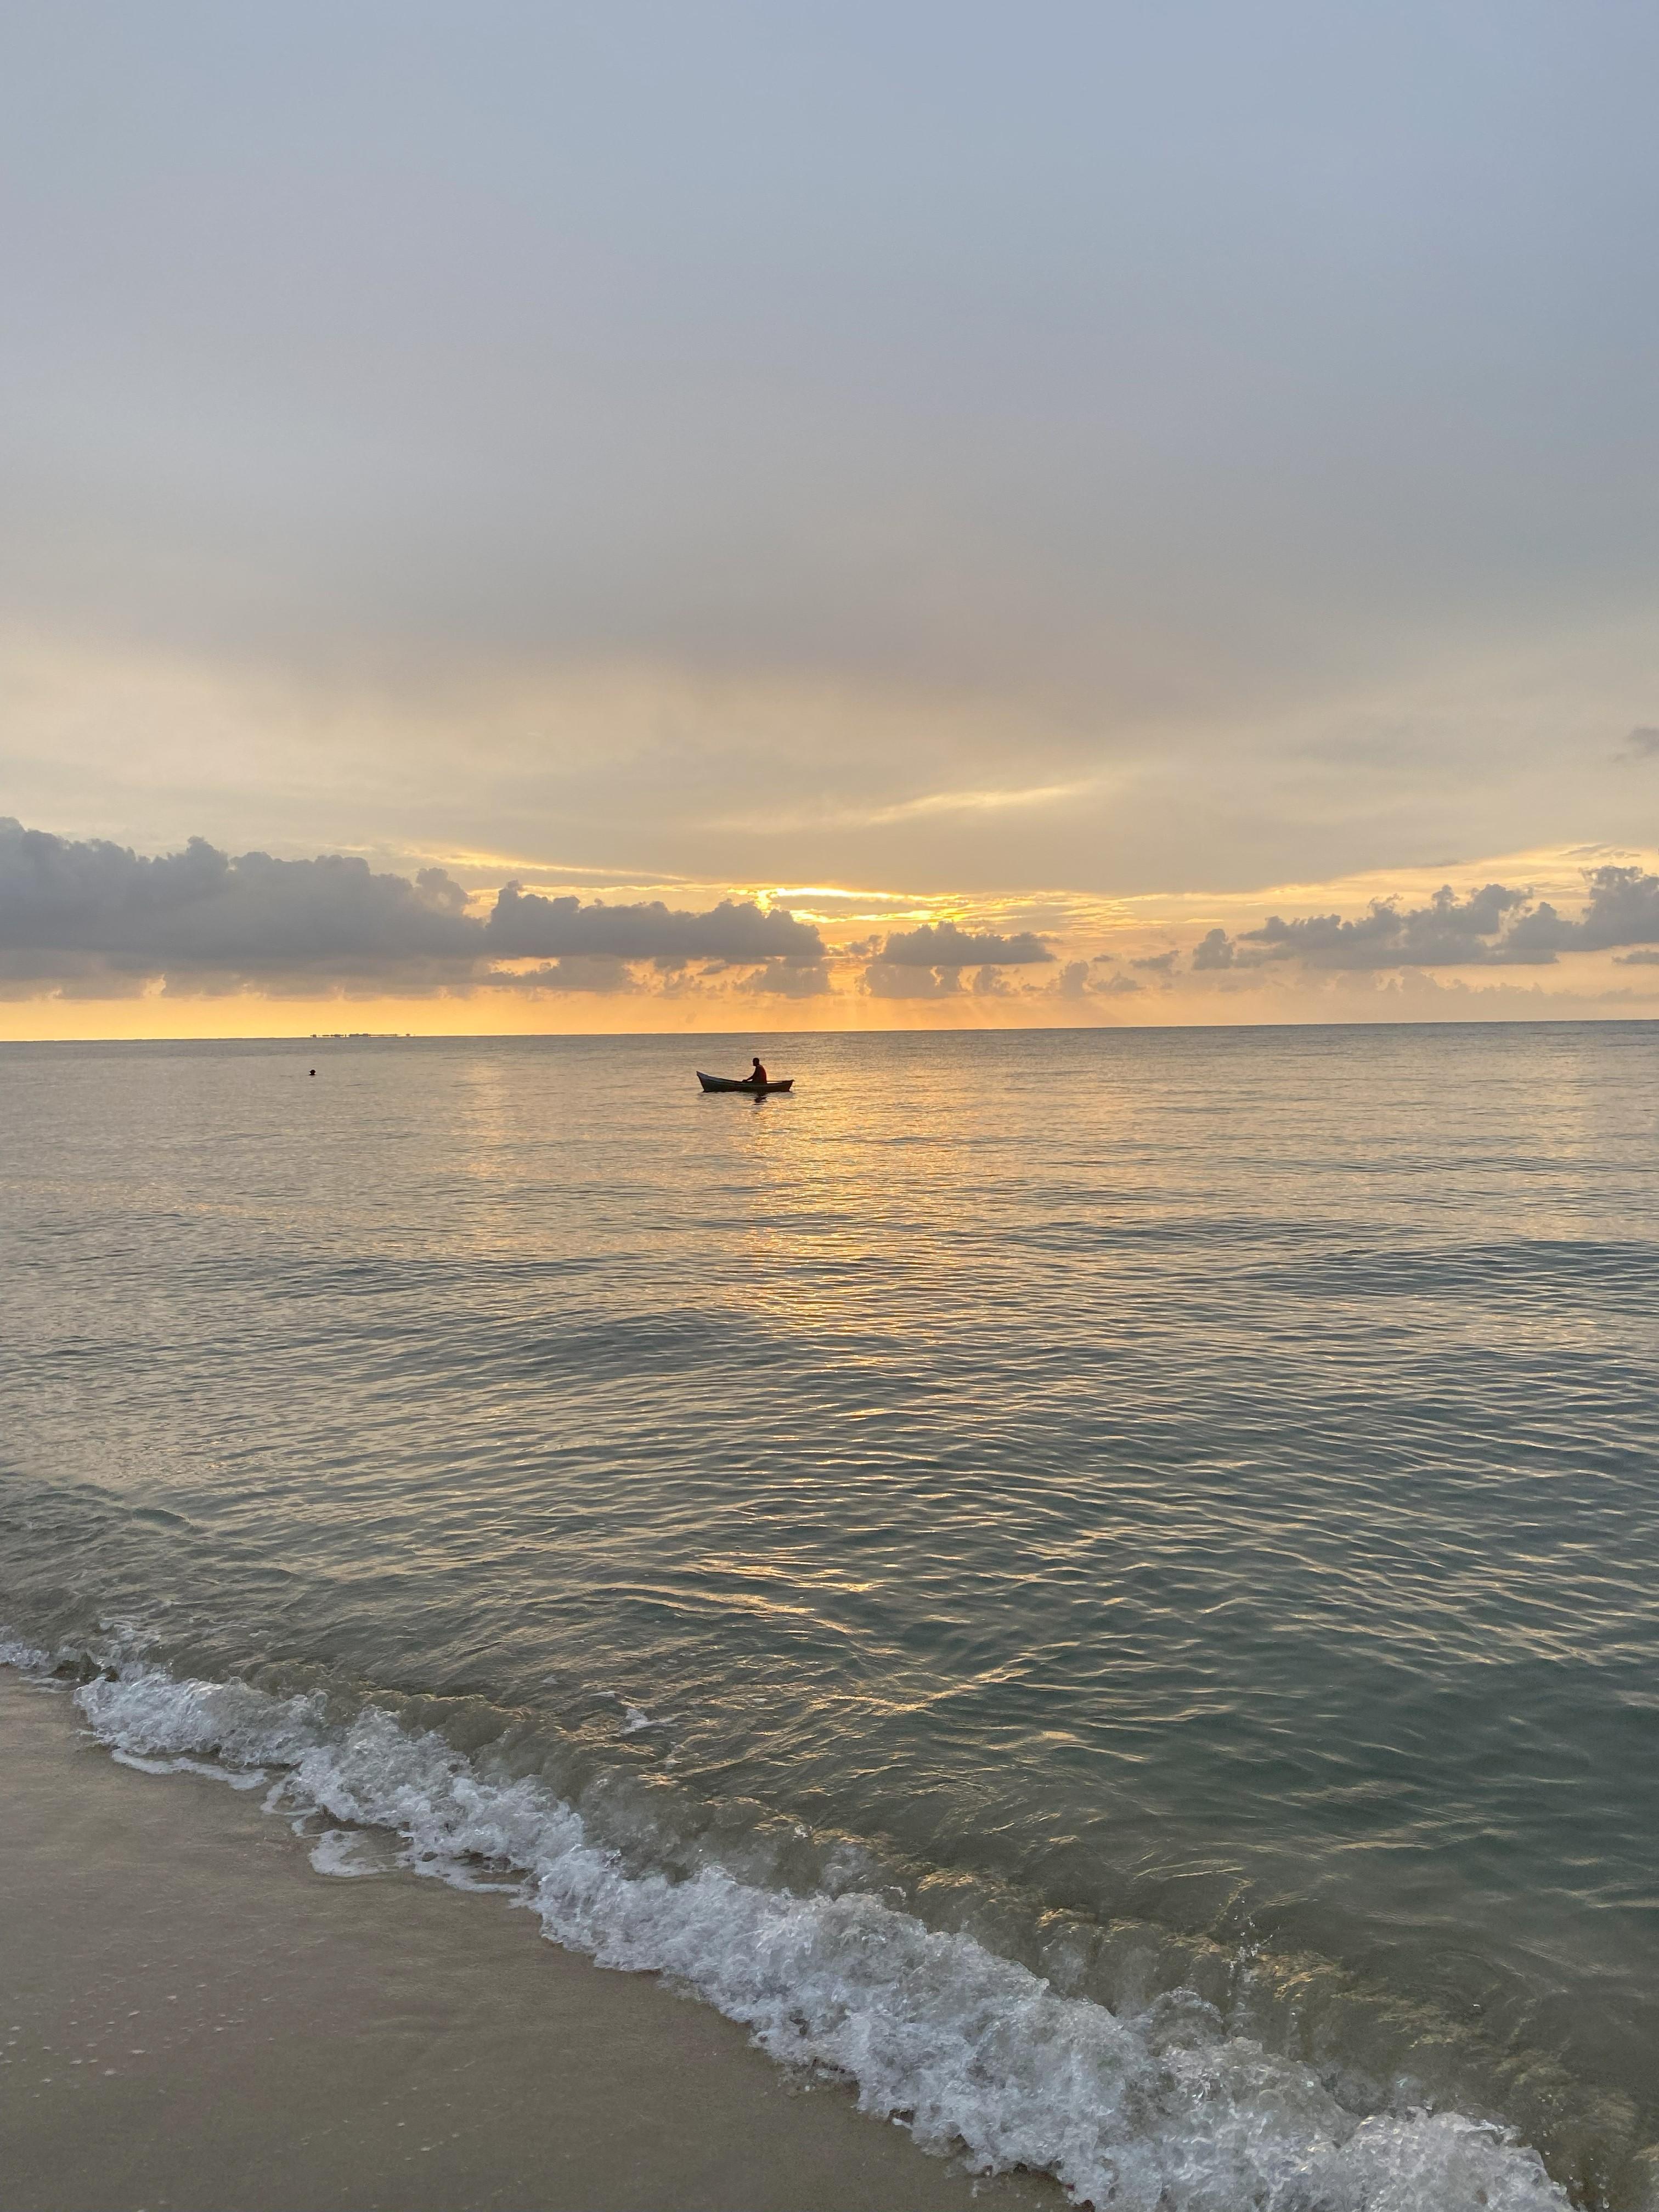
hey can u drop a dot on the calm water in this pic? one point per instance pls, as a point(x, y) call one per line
point(1179, 1509)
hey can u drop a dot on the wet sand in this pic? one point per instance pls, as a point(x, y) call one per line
point(194, 2020)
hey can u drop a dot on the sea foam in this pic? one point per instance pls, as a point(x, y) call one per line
point(1162, 2111)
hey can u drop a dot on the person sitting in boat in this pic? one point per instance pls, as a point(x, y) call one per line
point(759, 1074)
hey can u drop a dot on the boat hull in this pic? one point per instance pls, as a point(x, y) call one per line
point(734, 1082)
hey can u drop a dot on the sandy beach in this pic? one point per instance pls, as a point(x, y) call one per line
point(198, 2020)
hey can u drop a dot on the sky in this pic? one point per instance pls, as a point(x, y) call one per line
point(736, 518)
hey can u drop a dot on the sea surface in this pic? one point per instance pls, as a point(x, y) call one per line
point(1105, 1585)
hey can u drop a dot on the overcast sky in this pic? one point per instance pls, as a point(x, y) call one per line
point(1086, 477)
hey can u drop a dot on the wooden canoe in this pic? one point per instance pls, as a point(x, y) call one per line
point(738, 1083)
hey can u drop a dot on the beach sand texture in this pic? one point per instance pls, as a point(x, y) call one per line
point(196, 2020)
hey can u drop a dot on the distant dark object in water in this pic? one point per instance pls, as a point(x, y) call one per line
point(742, 1083)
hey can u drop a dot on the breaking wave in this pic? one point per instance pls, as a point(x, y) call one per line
point(1162, 2107)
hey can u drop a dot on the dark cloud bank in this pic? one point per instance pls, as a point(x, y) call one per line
point(943, 944)
point(94, 919)
point(926, 962)
point(79, 911)
point(1497, 927)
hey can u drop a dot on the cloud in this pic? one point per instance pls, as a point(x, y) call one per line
point(926, 962)
point(200, 907)
point(1158, 964)
point(1213, 951)
point(857, 815)
point(580, 972)
point(976, 802)
point(956, 555)
point(1494, 926)
point(789, 979)
point(1636, 960)
point(65, 974)
point(886, 978)
point(991, 983)
point(944, 944)
point(70, 908)
point(1623, 909)
point(1448, 932)
point(1643, 744)
point(525, 925)
point(1079, 980)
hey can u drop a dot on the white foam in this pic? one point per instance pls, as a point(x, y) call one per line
point(238, 1778)
point(1162, 2112)
point(339, 1851)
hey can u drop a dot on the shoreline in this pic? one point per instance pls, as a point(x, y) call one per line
point(200, 2021)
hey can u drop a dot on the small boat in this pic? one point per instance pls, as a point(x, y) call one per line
point(739, 1083)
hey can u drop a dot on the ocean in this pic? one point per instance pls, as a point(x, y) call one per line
point(1103, 1585)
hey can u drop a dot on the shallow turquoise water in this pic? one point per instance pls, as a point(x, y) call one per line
point(1200, 1485)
